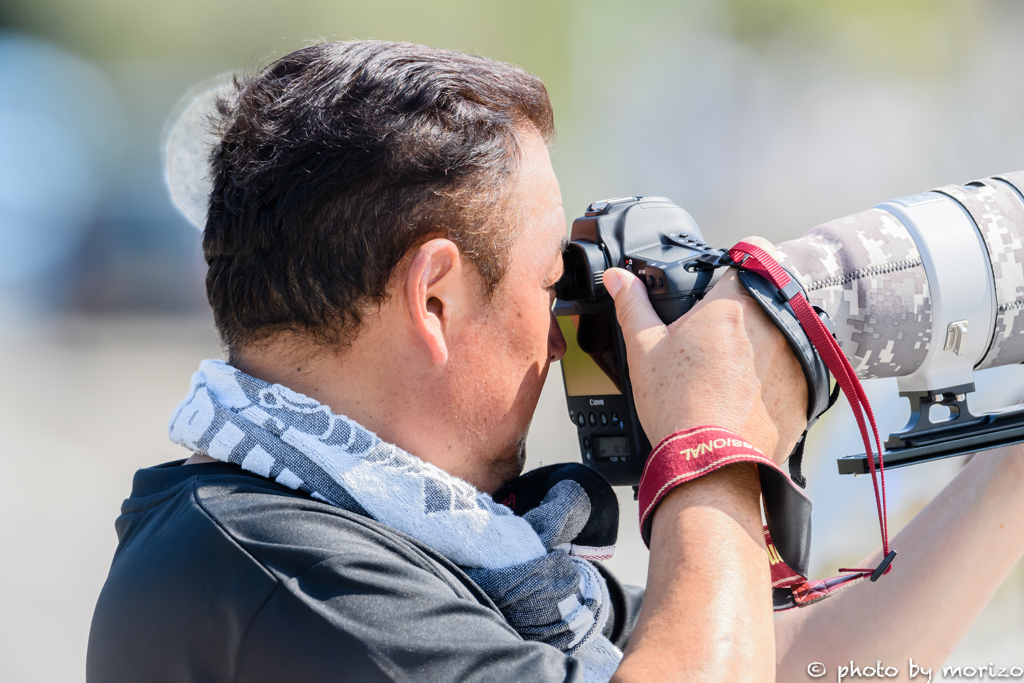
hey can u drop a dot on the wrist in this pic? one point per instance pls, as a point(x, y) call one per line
point(730, 486)
point(686, 456)
point(758, 432)
point(733, 490)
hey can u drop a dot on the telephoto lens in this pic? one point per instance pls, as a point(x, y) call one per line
point(926, 289)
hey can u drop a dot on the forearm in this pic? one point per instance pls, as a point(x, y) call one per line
point(707, 613)
point(952, 557)
point(707, 610)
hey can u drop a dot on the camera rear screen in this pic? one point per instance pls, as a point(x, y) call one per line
point(583, 376)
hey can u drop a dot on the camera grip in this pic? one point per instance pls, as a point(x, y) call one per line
point(671, 309)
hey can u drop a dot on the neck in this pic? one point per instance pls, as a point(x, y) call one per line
point(345, 381)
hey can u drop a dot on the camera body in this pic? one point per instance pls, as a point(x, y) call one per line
point(661, 244)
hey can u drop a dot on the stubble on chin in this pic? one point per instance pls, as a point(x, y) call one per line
point(509, 464)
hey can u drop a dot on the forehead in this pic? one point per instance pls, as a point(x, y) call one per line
point(540, 204)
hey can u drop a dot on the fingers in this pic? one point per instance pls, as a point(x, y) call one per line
point(724, 362)
point(729, 286)
point(632, 307)
point(764, 244)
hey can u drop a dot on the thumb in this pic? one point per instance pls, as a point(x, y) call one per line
point(632, 307)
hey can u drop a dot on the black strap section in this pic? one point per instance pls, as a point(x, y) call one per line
point(834, 396)
point(787, 513)
point(796, 459)
point(796, 539)
point(782, 599)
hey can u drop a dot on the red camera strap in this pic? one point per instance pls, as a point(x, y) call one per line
point(755, 259)
point(692, 453)
point(805, 592)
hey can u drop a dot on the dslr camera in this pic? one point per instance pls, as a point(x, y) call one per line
point(660, 243)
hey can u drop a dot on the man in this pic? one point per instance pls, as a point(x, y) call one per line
point(384, 236)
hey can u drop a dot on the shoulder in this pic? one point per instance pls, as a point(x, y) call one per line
point(354, 593)
point(240, 578)
point(289, 534)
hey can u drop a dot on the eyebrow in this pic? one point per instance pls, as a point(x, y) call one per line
point(563, 244)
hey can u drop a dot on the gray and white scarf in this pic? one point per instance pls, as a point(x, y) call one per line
point(523, 563)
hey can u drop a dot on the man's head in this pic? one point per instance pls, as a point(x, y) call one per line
point(339, 158)
point(384, 231)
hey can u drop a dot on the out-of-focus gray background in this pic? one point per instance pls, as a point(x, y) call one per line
point(760, 116)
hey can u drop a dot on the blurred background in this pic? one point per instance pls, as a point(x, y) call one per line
point(759, 116)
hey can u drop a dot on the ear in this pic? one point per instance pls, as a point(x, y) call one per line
point(432, 284)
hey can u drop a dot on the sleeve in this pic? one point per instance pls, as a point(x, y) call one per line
point(370, 615)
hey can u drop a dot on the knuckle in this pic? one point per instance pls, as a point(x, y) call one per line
point(629, 305)
point(762, 243)
point(626, 308)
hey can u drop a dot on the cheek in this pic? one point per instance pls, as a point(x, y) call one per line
point(528, 351)
point(507, 357)
point(531, 327)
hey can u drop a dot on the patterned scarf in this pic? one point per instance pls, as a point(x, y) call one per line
point(525, 564)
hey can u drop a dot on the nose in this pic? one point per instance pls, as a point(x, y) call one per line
point(556, 342)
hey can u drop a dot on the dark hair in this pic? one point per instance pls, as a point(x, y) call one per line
point(337, 159)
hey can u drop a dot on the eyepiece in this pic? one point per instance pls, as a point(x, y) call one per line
point(584, 264)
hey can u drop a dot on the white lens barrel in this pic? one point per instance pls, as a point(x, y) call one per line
point(926, 288)
point(960, 284)
point(996, 206)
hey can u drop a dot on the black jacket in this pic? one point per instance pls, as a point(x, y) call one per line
point(221, 575)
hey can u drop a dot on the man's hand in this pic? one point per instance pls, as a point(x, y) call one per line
point(707, 614)
point(724, 363)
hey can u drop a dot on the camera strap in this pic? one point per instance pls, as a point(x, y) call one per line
point(689, 454)
point(693, 453)
point(754, 259)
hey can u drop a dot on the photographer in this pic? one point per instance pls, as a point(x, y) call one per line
point(384, 235)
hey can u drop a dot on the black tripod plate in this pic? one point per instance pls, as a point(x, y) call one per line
point(924, 441)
